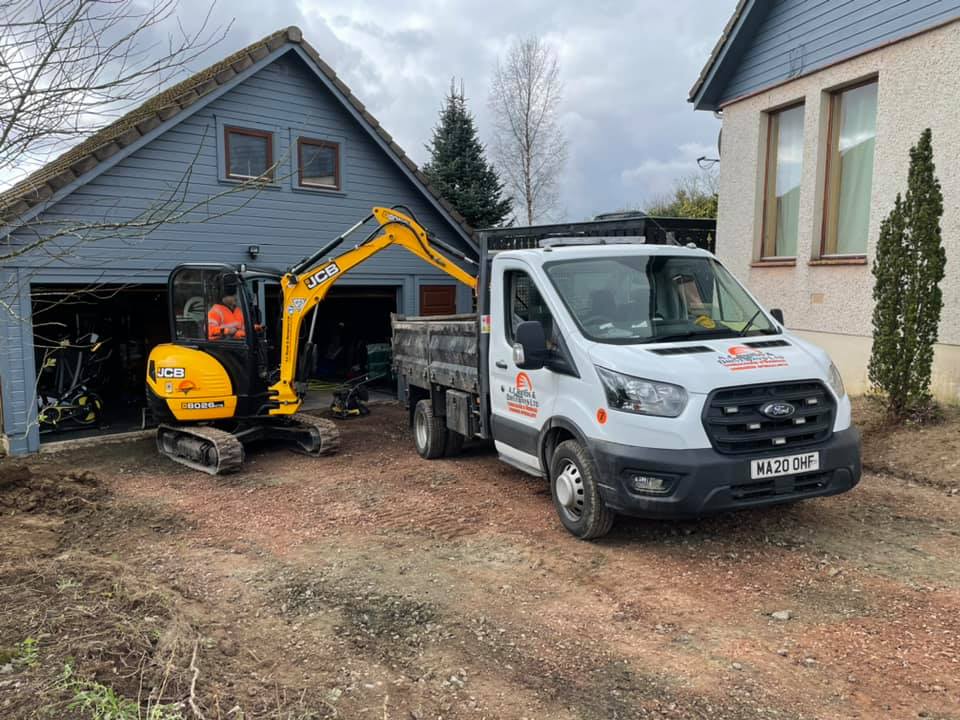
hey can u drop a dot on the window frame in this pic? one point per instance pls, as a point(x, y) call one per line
point(268, 175)
point(831, 187)
point(338, 182)
point(768, 251)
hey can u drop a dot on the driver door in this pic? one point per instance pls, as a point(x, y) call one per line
point(521, 400)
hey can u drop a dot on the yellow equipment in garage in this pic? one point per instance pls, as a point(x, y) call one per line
point(226, 379)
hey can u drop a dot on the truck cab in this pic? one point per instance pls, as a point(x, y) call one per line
point(642, 380)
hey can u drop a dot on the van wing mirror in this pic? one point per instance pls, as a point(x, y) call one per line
point(530, 346)
point(777, 314)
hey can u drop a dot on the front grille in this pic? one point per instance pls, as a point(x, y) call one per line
point(735, 425)
point(801, 485)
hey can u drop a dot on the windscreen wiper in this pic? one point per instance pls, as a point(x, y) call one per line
point(746, 328)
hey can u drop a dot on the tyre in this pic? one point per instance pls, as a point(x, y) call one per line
point(454, 443)
point(576, 496)
point(429, 431)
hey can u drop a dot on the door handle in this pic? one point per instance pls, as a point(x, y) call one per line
point(501, 364)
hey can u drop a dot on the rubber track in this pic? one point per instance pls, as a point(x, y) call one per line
point(328, 431)
point(229, 450)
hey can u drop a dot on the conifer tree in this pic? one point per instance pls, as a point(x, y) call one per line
point(458, 167)
point(909, 265)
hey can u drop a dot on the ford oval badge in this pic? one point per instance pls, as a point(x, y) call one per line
point(778, 410)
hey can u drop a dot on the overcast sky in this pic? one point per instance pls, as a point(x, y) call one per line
point(627, 66)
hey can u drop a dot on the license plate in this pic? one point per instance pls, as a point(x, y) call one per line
point(786, 465)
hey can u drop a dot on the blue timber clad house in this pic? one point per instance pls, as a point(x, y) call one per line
point(182, 155)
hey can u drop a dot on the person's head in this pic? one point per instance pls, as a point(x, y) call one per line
point(230, 300)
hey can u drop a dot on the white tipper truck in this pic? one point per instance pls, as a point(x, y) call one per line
point(640, 379)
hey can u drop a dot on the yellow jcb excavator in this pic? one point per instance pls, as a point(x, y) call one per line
point(229, 377)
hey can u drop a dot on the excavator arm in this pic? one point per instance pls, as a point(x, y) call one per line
point(306, 285)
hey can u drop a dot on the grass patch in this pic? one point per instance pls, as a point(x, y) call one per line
point(100, 702)
point(28, 654)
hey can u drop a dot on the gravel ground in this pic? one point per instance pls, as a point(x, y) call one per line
point(374, 584)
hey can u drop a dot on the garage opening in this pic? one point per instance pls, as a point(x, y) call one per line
point(353, 336)
point(91, 346)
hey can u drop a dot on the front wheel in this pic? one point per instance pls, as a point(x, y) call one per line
point(576, 495)
point(429, 431)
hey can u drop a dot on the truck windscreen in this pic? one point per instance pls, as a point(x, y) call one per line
point(655, 298)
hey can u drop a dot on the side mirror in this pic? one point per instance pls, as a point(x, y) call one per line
point(530, 347)
point(777, 314)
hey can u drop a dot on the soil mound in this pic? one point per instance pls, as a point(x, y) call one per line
point(23, 490)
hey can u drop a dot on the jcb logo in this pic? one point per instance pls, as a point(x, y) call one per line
point(322, 275)
point(171, 373)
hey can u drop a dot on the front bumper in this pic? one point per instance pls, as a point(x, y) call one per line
point(707, 482)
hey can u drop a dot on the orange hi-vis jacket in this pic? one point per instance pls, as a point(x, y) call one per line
point(221, 320)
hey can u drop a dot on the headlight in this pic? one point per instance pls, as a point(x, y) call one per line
point(836, 382)
point(644, 397)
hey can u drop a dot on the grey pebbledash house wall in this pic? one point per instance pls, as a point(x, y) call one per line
point(771, 41)
point(284, 93)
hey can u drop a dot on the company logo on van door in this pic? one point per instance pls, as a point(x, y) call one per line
point(521, 399)
point(741, 357)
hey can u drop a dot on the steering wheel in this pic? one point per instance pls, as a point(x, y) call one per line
point(194, 308)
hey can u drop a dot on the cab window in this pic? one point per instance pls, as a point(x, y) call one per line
point(524, 302)
point(206, 305)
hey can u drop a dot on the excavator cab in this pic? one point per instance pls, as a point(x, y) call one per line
point(218, 355)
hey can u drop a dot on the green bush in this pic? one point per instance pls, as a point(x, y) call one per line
point(909, 265)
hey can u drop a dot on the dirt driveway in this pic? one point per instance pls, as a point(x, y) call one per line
point(374, 584)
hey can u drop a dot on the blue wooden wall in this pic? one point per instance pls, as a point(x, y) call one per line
point(788, 38)
point(286, 222)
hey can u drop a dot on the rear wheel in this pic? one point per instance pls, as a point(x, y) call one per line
point(576, 496)
point(429, 431)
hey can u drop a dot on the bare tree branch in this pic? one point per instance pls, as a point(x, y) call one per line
point(69, 66)
point(528, 142)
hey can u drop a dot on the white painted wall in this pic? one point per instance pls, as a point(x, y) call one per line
point(919, 87)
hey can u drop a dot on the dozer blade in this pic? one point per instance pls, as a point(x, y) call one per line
point(207, 449)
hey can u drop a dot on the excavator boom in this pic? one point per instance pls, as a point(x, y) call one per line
point(305, 286)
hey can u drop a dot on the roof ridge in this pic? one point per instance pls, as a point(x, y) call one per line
point(85, 156)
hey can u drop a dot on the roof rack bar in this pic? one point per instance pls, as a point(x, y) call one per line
point(552, 242)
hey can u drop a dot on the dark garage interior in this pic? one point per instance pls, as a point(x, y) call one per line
point(353, 334)
point(127, 321)
point(352, 339)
